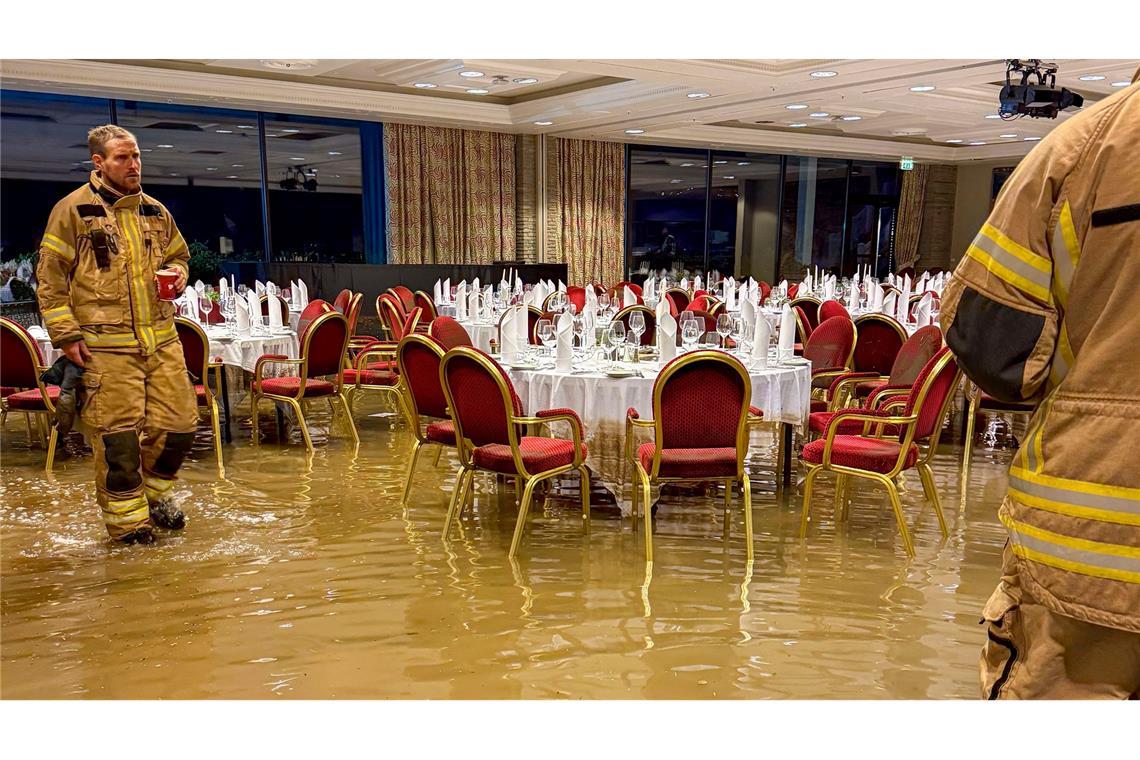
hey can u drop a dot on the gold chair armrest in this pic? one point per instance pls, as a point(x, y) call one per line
point(272, 359)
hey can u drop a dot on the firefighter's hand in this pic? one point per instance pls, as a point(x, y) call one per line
point(77, 352)
point(180, 283)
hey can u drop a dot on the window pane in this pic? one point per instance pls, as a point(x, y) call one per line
point(743, 215)
point(315, 199)
point(872, 202)
point(667, 210)
point(43, 157)
point(812, 216)
point(204, 166)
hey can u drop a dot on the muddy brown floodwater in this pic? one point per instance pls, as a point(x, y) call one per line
point(308, 580)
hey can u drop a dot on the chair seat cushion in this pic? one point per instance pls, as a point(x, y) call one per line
point(371, 377)
point(872, 454)
point(288, 386)
point(818, 406)
point(756, 412)
point(33, 400)
point(690, 463)
point(442, 431)
point(538, 455)
point(818, 422)
point(200, 393)
point(7, 390)
point(386, 365)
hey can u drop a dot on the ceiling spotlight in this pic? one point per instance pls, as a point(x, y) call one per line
point(697, 95)
point(1032, 139)
point(1007, 136)
point(1091, 77)
point(238, 166)
point(231, 176)
point(674, 181)
point(743, 163)
point(1121, 84)
point(471, 74)
point(543, 123)
point(729, 176)
point(993, 116)
point(164, 145)
point(635, 131)
point(923, 88)
point(224, 131)
point(211, 168)
point(147, 150)
point(290, 131)
point(424, 85)
point(246, 126)
point(477, 91)
point(978, 142)
point(954, 141)
point(719, 162)
point(819, 115)
point(795, 106)
point(823, 74)
point(851, 118)
point(797, 124)
point(296, 158)
point(687, 164)
point(335, 153)
point(525, 80)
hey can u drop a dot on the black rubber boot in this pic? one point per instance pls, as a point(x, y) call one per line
point(166, 514)
point(141, 535)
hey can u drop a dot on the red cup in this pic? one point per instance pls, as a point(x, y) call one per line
point(167, 284)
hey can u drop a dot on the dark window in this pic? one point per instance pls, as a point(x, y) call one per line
point(667, 205)
point(812, 216)
point(872, 202)
point(744, 214)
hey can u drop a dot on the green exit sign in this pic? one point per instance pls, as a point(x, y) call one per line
point(906, 163)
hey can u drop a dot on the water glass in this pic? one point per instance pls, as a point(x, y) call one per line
point(546, 332)
point(690, 334)
point(617, 337)
point(637, 326)
point(723, 328)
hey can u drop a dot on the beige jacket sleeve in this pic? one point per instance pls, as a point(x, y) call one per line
point(56, 264)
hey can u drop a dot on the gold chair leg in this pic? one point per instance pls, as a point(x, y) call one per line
point(747, 499)
point(438, 453)
point(896, 505)
point(972, 414)
point(585, 496)
point(296, 404)
point(348, 419)
point(805, 515)
point(528, 492)
point(635, 497)
point(927, 476)
point(648, 512)
point(410, 473)
point(32, 440)
point(255, 419)
point(840, 498)
point(53, 439)
point(457, 494)
point(217, 427)
point(3, 417)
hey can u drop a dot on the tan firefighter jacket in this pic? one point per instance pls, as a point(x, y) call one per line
point(1046, 305)
point(96, 269)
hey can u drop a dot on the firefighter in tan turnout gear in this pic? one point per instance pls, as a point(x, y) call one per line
point(98, 294)
point(1044, 306)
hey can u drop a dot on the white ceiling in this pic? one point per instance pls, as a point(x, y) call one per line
point(601, 98)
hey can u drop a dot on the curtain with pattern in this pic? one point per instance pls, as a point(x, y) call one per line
point(908, 229)
point(587, 217)
point(451, 195)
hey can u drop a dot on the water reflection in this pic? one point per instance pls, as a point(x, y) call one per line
point(305, 576)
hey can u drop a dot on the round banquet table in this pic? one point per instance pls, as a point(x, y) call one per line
point(481, 333)
point(783, 393)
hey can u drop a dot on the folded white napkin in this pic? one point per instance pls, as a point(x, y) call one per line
point(486, 308)
point(729, 295)
point(509, 338)
point(697, 283)
point(242, 316)
point(38, 332)
point(254, 309)
point(876, 296)
point(474, 285)
point(761, 337)
point(684, 283)
point(829, 290)
point(666, 332)
point(436, 290)
point(518, 286)
point(564, 347)
point(193, 304)
point(258, 287)
point(200, 287)
point(561, 286)
point(445, 291)
point(890, 278)
point(855, 279)
point(629, 298)
point(890, 303)
point(474, 304)
point(853, 296)
point(754, 293)
point(270, 288)
point(786, 347)
point(922, 311)
point(805, 288)
point(274, 312)
point(783, 287)
point(591, 301)
point(903, 304)
point(461, 301)
point(301, 286)
point(748, 313)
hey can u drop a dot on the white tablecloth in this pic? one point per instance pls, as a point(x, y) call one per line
point(482, 333)
point(244, 350)
point(783, 394)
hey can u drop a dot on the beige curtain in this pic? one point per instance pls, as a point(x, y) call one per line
point(909, 226)
point(451, 195)
point(587, 218)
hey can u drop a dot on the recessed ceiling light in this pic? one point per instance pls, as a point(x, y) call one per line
point(525, 80)
point(246, 126)
point(543, 123)
point(164, 145)
point(743, 163)
point(954, 141)
point(795, 106)
point(923, 88)
point(146, 150)
point(477, 91)
point(819, 115)
point(729, 176)
point(1032, 139)
point(237, 166)
point(851, 118)
point(290, 131)
point(211, 168)
point(719, 162)
point(797, 124)
point(471, 74)
point(224, 131)
point(697, 95)
point(231, 176)
point(1007, 136)
point(993, 116)
point(173, 174)
point(296, 64)
point(823, 74)
point(688, 164)
point(335, 153)
point(1121, 84)
point(424, 85)
point(675, 181)
point(296, 158)
point(635, 131)
point(1091, 77)
point(978, 142)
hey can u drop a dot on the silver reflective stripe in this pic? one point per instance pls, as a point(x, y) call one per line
point(1082, 556)
point(1077, 498)
point(1012, 263)
point(1062, 259)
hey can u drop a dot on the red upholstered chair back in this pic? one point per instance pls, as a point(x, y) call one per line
point(313, 310)
point(919, 349)
point(282, 306)
point(411, 322)
point(830, 344)
point(700, 401)
point(353, 313)
point(480, 396)
point(674, 312)
point(449, 333)
point(424, 301)
point(325, 345)
point(405, 296)
point(599, 289)
point(679, 297)
point(878, 345)
point(832, 308)
point(419, 357)
point(793, 290)
point(932, 392)
point(195, 347)
point(632, 286)
point(700, 294)
point(392, 315)
point(803, 327)
point(906, 271)
point(708, 319)
point(700, 303)
point(811, 310)
point(765, 291)
point(340, 303)
point(577, 296)
point(19, 356)
point(650, 335)
point(716, 307)
point(212, 313)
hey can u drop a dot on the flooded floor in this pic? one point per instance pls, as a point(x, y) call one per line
point(308, 580)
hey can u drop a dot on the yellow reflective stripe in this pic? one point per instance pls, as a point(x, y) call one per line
point(58, 314)
point(1035, 260)
point(1063, 357)
point(1017, 266)
point(128, 220)
point(110, 340)
point(1079, 555)
point(166, 333)
point(126, 511)
point(156, 488)
point(58, 245)
point(177, 244)
point(1066, 254)
point(1075, 498)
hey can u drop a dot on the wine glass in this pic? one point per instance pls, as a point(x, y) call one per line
point(637, 326)
point(690, 334)
point(580, 330)
point(737, 333)
point(229, 309)
point(546, 332)
point(617, 337)
point(723, 328)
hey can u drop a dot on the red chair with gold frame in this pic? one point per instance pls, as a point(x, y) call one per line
point(356, 343)
point(702, 302)
point(616, 290)
point(765, 290)
point(810, 306)
point(196, 353)
point(374, 367)
point(449, 333)
point(323, 353)
point(419, 357)
point(425, 302)
point(577, 296)
point(882, 459)
point(20, 369)
point(311, 311)
point(687, 448)
point(488, 416)
point(980, 403)
point(680, 297)
point(880, 339)
point(649, 337)
point(831, 308)
point(340, 303)
point(830, 350)
point(404, 295)
point(282, 307)
point(914, 354)
point(803, 328)
point(793, 290)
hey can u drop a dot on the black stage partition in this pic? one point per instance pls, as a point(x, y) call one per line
point(326, 280)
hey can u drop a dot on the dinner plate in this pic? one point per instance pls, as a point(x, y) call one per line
point(795, 362)
point(620, 373)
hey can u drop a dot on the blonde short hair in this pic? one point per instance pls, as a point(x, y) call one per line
point(98, 137)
